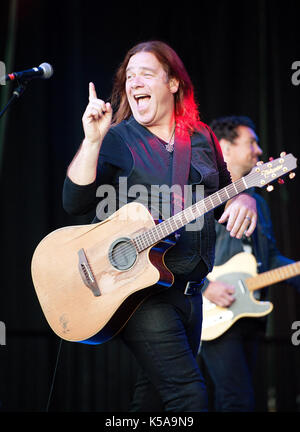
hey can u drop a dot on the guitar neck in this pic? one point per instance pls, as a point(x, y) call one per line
point(179, 220)
point(258, 177)
point(273, 276)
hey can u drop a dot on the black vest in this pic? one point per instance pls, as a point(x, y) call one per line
point(150, 167)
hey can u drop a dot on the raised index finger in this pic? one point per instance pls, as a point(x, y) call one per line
point(92, 91)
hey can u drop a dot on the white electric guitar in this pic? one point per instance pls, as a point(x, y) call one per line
point(240, 271)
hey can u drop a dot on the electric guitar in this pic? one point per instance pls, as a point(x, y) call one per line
point(90, 279)
point(240, 271)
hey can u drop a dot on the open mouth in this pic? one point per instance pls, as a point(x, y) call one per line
point(142, 100)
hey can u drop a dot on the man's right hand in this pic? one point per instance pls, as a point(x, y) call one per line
point(220, 293)
point(97, 117)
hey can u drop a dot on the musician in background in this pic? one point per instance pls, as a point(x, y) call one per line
point(230, 358)
point(155, 114)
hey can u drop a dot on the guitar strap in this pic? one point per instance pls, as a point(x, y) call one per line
point(180, 169)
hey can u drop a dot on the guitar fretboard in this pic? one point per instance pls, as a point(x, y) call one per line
point(180, 219)
point(273, 276)
point(259, 176)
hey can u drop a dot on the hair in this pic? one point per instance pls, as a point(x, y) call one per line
point(226, 127)
point(186, 110)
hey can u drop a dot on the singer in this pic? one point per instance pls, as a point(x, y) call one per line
point(151, 133)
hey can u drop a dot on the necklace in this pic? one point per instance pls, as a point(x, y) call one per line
point(170, 145)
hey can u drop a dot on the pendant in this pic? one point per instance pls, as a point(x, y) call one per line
point(170, 147)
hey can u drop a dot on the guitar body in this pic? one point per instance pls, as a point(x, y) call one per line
point(217, 320)
point(101, 254)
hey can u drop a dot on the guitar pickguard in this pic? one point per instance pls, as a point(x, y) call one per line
point(244, 300)
point(216, 320)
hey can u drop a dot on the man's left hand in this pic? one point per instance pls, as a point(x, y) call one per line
point(241, 216)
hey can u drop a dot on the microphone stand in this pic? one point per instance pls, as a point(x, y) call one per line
point(16, 95)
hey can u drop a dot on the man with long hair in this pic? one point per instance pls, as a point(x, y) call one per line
point(151, 136)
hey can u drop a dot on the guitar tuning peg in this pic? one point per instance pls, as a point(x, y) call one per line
point(270, 188)
point(292, 175)
point(282, 154)
point(280, 181)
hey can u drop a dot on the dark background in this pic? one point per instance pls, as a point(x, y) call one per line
point(239, 56)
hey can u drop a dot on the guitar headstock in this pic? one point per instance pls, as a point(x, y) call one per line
point(265, 173)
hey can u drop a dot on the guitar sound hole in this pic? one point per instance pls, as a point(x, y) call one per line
point(122, 254)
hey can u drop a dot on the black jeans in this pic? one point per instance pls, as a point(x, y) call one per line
point(230, 361)
point(164, 335)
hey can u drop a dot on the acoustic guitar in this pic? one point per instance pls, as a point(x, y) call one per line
point(241, 272)
point(90, 279)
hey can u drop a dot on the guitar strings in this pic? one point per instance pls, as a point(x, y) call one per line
point(230, 189)
point(145, 237)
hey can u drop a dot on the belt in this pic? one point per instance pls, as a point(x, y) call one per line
point(193, 288)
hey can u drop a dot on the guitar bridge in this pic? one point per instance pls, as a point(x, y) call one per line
point(87, 274)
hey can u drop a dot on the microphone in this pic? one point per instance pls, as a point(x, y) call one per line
point(44, 71)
